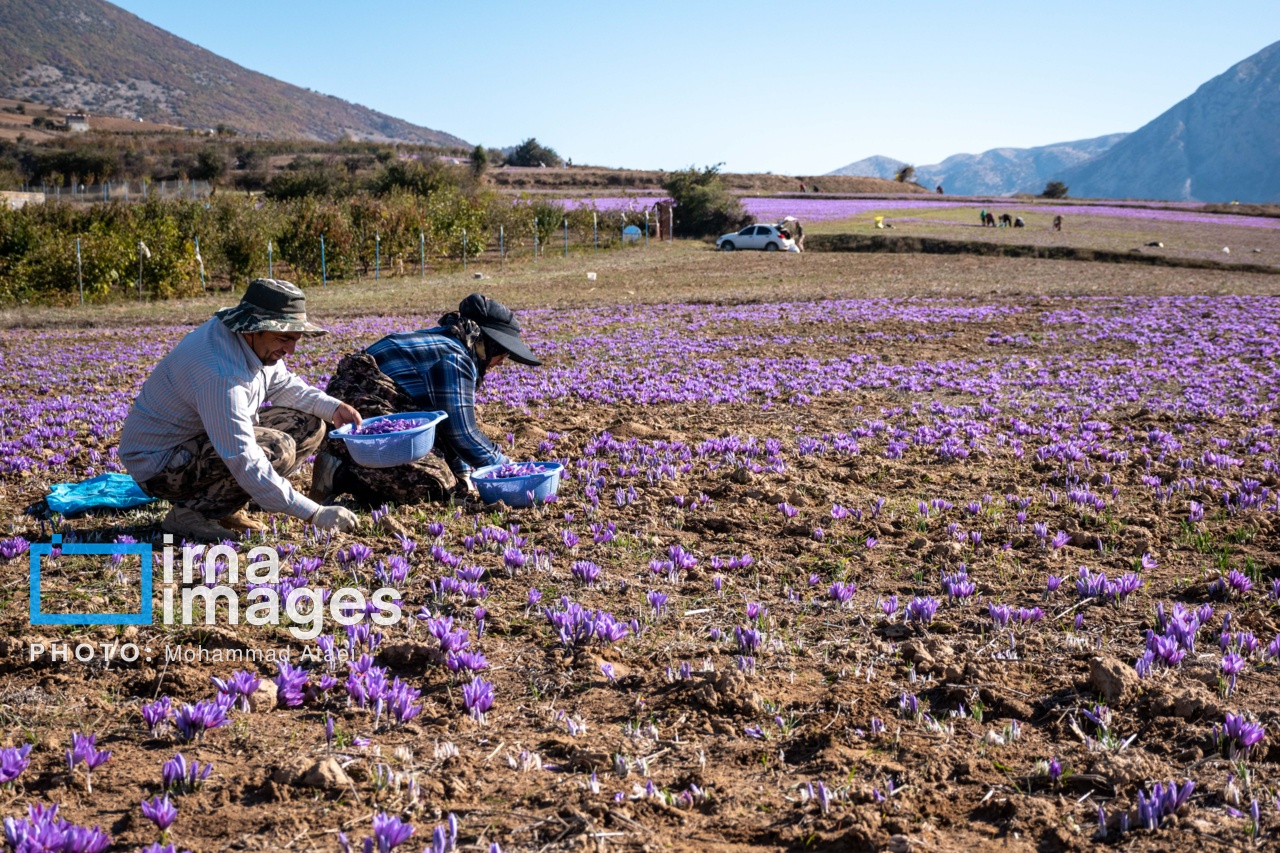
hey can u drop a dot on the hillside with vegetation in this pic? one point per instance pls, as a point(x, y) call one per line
point(91, 55)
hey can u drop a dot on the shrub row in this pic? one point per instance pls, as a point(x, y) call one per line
point(38, 260)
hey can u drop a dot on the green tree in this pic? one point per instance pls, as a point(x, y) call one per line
point(479, 160)
point(705, 206)
point(211, 164)
point(417, 177)
point(532, 153)
point(1055, 189)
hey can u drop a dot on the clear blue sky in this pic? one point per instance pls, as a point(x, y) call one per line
point(788, 87)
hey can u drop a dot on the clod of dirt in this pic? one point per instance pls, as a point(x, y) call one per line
point(263, 699)
point(393, 527)
point(1194, 702)
point(1113, 678)
point(728, 690)
point(916, 652)
point(743, 477)
point(631, 429)
point(947, 551)
point(585, 760)
point(408, 653)
point(326, 774)
point(1084, 539)
point(1123, 769)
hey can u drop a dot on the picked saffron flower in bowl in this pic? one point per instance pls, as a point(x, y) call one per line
point(390, 440)
point(518, 485)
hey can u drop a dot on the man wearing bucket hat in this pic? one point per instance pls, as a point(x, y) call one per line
point(434, 369)
point(197, 436)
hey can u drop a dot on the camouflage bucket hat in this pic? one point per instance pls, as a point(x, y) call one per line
point(270, 305)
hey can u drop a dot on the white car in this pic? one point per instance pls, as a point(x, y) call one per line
point(766, 237)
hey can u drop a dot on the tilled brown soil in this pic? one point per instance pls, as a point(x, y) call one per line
point(683, 744)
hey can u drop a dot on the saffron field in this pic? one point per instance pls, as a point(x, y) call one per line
point(851, 552)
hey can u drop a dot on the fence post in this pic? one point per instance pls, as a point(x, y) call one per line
point(535, 238)
point(464, 250)
point(595, 231)
point(324, 272)
point(502, 245)
point(566, 237)
point(79, 271)
point(671, 224)
point(422, 254)
point(646, 229)
point(377, 254)
point(271, 266)
point(203, 286)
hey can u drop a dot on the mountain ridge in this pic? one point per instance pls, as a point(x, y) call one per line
point(1220, 143)
point(93, 55)
point(996, 171)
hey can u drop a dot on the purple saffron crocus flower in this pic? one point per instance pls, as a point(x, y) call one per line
point(193, 720)
point(585, 572)
point(477, 698)
point(157, 713)
point(842, 592)
point(291, 684)
point(921, 610)
point(1242, 734)
point(179, 775)
point(748, 639)
point(390, 832)
point(84, 751)
point(13, 760)
point(161, 811)
point(239, 687)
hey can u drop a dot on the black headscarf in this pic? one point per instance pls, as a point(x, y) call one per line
point(467, 333)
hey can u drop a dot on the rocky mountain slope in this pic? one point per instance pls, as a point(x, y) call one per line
point(91, 55)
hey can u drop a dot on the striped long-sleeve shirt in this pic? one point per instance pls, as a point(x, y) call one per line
point(212, 382)
point(440, 375)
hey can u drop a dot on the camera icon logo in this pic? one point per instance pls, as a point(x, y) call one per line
point(90, 549)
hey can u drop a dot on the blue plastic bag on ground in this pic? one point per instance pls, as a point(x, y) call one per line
point(105, 491)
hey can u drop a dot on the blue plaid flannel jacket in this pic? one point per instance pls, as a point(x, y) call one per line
point(440, 375)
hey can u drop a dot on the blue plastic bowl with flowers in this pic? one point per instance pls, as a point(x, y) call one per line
point(518, 484)
point(390, 440)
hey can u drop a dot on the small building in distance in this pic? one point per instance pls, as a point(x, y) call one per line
point(78, 122)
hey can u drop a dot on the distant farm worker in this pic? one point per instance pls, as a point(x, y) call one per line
point(1057, 223)
point(198, 437)
point(435, 369)
point(1018, 222)
point(1005, 220)
point(802, 186)
point(982, 217)
point(939, 190)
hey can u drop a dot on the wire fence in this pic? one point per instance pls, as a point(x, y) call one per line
point(495, 253)
point(127, 191)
